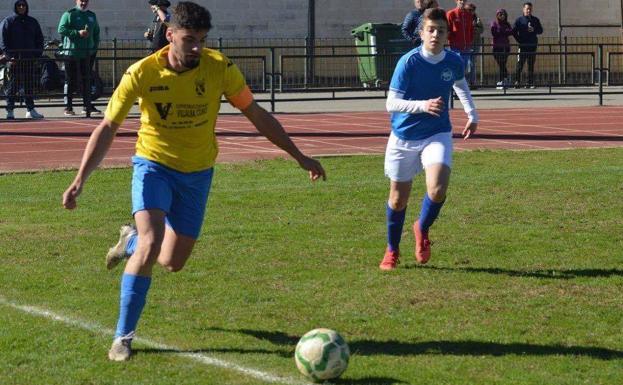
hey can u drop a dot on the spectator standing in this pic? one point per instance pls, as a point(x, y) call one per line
point(526, 30)
point(461, 32)
point(410, 26)
point(81, 36)
point(478, 28)
point(21, 41)
point(157, 33)
point(501, 29)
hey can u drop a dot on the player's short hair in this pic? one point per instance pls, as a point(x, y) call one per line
point(527, 3)
point(189, 15)
point(433, 14)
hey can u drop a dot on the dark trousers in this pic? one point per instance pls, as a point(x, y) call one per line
point(22, 75)
point(78, 73)
point(526, 53)
point(500, 54)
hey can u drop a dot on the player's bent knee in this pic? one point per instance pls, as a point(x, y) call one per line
point(173, 263)
point(397, 203)
point(147, 252)
point(437, 193)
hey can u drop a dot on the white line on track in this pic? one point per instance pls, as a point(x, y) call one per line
point(197, 357)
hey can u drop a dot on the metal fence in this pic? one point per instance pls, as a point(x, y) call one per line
point(285, 66)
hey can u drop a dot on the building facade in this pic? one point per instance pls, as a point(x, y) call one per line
point(259, 19)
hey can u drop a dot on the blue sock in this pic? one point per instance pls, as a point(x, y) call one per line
point(430, 212)
point(133, 294)
point(131, 246)
point(395, 221)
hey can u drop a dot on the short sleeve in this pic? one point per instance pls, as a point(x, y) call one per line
point(124, 97)
point(400, 78)
point(235, 88)
point(459, 71)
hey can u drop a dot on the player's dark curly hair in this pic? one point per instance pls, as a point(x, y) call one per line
point(189, 15)
point(433, 14)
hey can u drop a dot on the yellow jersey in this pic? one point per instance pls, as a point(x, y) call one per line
point(179, 110)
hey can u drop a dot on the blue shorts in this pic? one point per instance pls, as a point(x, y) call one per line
point(182, 196)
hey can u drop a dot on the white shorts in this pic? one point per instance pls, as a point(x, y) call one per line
point(404, 159)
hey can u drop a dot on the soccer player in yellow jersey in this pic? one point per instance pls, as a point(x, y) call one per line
point(179, 89)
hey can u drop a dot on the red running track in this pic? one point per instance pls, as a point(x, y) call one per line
point(52, 144)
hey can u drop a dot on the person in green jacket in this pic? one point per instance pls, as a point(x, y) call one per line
point(81, 36)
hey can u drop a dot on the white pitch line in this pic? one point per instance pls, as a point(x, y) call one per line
point(197, 357)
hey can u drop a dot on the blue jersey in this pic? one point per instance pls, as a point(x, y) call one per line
point(417, 79)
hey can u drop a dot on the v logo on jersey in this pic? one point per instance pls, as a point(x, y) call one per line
point(163, 110)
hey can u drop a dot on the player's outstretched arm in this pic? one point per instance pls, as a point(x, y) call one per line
point(462, 90)
point(94, 153)
point(270, 127)
point(469, 129)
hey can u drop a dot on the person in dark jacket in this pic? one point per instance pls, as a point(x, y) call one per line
point(21, 41)
point(501, 29)
point(525, 31)
point(157, 33)
point(410, 26)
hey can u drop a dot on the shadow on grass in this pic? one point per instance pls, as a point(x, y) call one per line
point(549, 273)
point(478, 348)
point(455, 348)
point(366, 381)
point(207, 351)
point(289, 355)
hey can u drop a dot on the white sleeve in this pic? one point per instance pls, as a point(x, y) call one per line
point(396, 103)
point(462, 91)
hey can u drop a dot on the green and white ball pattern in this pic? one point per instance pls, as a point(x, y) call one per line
point(322, 354)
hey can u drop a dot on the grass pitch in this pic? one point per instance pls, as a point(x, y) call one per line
point(524, 286)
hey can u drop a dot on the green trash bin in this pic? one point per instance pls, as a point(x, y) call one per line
point(381, 45)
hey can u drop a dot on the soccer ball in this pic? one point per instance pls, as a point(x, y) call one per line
point(322, 354)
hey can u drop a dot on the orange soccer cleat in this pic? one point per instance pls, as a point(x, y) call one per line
point(390, 259)
point(422, 244)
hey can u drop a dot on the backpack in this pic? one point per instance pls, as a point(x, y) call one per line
point(51, 76)
point(159, 39)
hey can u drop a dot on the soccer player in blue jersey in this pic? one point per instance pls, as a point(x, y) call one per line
point(421, 137)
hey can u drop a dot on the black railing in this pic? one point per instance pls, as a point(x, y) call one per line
point(287, 73)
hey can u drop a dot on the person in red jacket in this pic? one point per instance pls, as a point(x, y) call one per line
point(461, 32)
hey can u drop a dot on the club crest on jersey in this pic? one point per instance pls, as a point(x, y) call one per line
point(446, 75)
point(200, 87)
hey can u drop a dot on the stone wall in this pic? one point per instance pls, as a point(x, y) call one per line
point(241, 19)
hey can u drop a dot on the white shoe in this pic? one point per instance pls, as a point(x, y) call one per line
point(33, 114)
point(121, 348)
point(500, 85)
point(117, 253)
point(92, 110)
point(10, 115)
